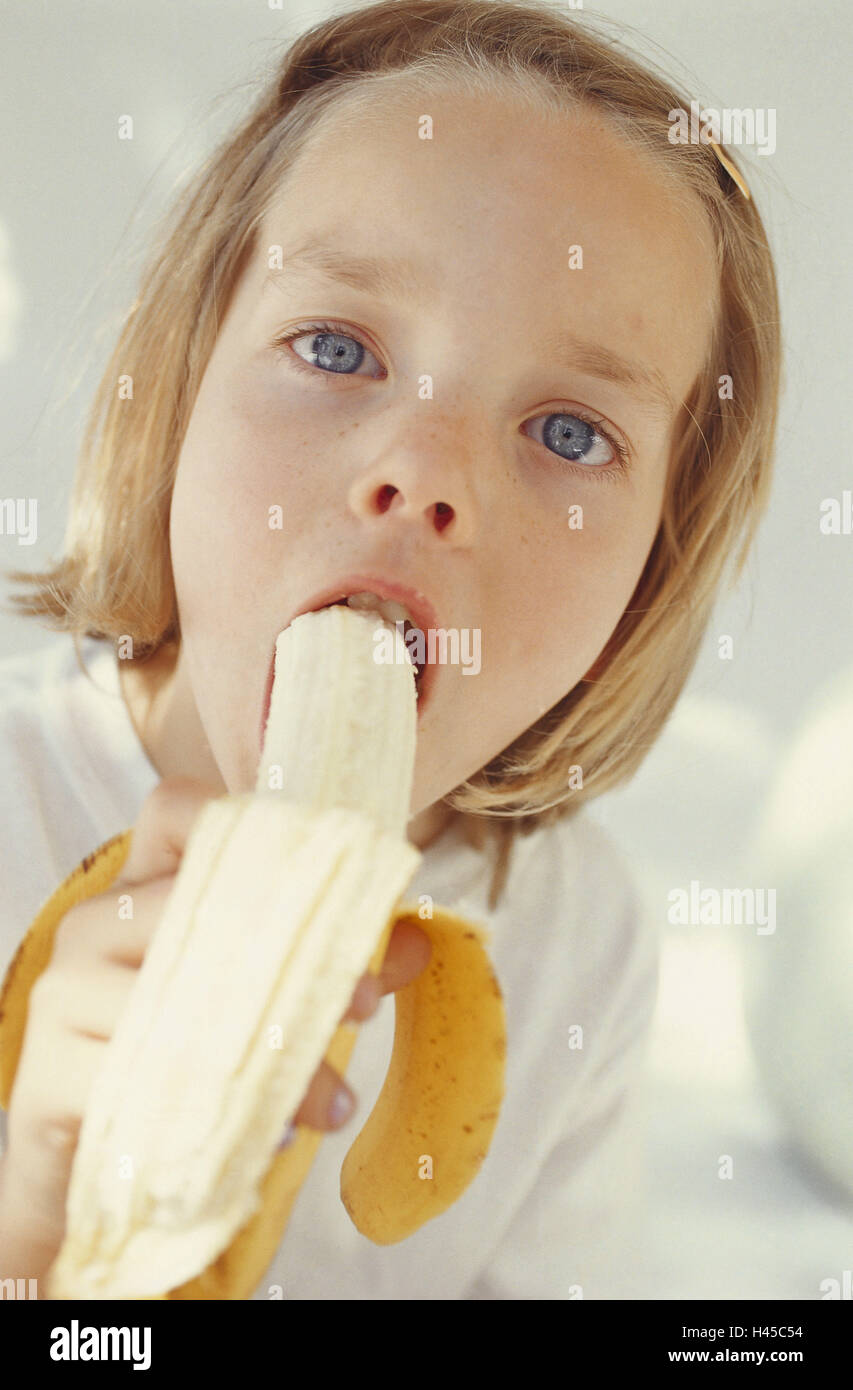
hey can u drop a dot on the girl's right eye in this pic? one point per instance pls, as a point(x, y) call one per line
point(327, 348)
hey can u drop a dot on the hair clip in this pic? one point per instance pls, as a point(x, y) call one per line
point(730, 169)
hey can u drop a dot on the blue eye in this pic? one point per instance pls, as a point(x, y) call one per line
point(578, 438)
point(329, 350)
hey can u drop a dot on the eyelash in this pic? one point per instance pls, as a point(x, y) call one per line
point(621, 463)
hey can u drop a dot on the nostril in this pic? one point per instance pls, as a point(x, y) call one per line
point(443, 515)
point(383, 498)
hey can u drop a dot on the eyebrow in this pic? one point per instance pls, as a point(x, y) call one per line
point(398, 278)
point(393, 277)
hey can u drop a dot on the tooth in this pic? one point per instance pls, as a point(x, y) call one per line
point(362, 600)
point(387, 608)
point(394, 612)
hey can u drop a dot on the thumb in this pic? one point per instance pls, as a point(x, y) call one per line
point(162, 829)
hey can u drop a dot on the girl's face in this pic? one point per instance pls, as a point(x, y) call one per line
point(512, 312)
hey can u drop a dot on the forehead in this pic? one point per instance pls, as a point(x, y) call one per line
point(488, 216)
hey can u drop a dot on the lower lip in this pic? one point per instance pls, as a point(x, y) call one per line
point(265, 712)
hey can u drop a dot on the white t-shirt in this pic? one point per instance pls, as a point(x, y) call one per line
point(554, 1205)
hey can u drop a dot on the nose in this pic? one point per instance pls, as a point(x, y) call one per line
point(423, 491)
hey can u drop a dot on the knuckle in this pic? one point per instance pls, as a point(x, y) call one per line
point(154, 891)
point(171, 791)
point(157, 801)
point(69, 933)
point(365, 999)
point(419, 949)
point(413, 938)
point(58, 1134)
point(316, 1104)
point(164, 822)
point(160, 803)
point(47, 992)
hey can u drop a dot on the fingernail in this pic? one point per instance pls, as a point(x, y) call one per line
point(288, 1137)
point(341, 1107)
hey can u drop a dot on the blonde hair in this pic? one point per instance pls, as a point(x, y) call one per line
point(115, 577)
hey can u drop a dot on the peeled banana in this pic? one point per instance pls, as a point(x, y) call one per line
point(284, 898)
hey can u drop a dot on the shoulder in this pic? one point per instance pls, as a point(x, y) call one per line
point(575, 862)
point(35, 680)
point(53, 718)
point(41, 697)
point(27, 676)
point(71, 772)
point(30, 683)
point(39, 691)
point(581, 889)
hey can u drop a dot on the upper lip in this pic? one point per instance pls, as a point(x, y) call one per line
point(414, 601)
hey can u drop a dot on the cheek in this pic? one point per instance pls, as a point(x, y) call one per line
point(569, 580)
point(240, 459)
point(218, 517)
point(607, 558)
point(271, 449)
point(199, 520)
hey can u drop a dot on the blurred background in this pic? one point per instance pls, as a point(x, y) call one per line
point(751, 784)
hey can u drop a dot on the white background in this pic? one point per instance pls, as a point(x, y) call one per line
point(76, 205)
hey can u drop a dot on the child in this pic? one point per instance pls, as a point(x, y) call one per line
point(474, 213)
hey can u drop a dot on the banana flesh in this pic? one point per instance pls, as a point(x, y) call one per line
point(345, 735)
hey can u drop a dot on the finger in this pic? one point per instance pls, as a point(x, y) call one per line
point(409, 952)
point(114, 926)
point(124, 940)
point(44, 1088)
point(162, 828)
point(365, 1000)
point(95, 998)
point(41, 1145)
point(317, 1102)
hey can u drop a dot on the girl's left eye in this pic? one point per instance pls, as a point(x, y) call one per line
point(576, 436)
